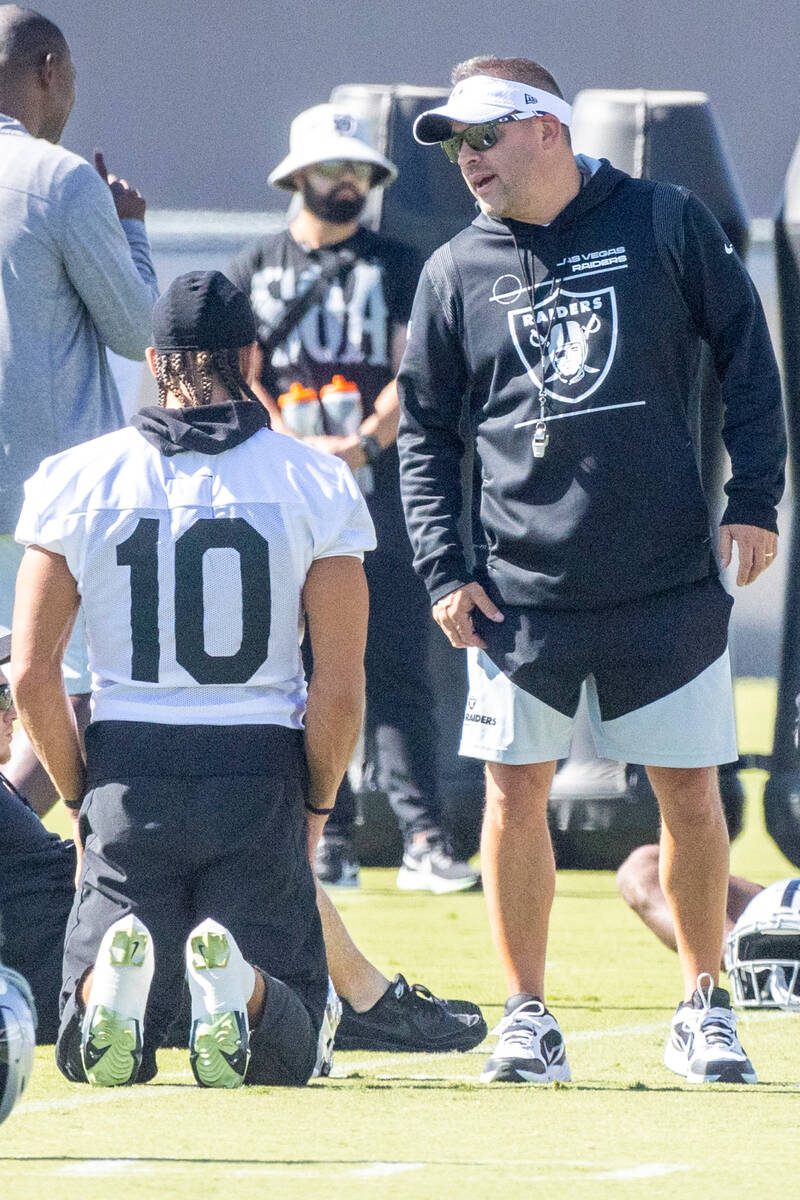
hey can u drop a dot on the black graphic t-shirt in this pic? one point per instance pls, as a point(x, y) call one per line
point(349, 332)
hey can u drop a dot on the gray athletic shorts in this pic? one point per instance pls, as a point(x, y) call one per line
point(693, 726)
point(76, 661)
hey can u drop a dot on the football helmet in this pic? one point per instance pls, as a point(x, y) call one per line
point(762, 951)
point(17, 1038)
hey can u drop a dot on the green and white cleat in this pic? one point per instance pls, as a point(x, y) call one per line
point(220, 983)
point(111, 1032)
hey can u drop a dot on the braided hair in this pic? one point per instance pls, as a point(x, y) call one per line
point(191, 374)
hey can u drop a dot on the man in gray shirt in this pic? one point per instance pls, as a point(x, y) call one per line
point(75, 277)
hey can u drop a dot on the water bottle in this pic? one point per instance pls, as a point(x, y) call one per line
point(341, 401)
point(301, 411)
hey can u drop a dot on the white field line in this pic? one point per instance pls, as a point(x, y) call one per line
point(69, 1102)
point(641, 1171)
point(97, 1168)
point(380, 1169)
point(557, 1169)
point(595, 1035)
point(88, 1095)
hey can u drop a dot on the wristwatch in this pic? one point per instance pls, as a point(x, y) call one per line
point(371, 447)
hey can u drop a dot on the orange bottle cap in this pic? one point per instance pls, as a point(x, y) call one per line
point(297, 394)
point(338, 384)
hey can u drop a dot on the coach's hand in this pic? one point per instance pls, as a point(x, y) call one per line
point(129, 203)
point(758, 549)
point(452, 614)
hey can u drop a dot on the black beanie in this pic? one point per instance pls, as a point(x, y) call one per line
point(202, 310)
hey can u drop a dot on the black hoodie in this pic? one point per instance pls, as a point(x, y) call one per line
point(628, 280)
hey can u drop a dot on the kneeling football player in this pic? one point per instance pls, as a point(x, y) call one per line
point(196, 542)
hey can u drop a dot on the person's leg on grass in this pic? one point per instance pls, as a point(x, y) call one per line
point(519, 874)
point(693, 865)
point(354, 976)
point(638, 884)
point(519, 870)
point(693, 869)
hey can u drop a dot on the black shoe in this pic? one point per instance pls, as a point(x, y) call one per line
point(412, 1019)
point(431, 866)
point(335, 862)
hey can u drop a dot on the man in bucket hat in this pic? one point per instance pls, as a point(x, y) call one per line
point(359, 286)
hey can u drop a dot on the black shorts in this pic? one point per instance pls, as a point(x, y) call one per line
point(181, 823)
point(637, 652)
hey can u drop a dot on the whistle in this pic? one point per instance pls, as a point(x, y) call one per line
point(541, 439)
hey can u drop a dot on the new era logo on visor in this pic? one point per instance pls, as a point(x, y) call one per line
point(529, 99)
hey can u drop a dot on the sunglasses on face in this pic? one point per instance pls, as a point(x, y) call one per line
point(5, 697)
point(479, 137)
point(339, 167)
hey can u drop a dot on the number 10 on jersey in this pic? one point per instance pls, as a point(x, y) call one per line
point(140, 553)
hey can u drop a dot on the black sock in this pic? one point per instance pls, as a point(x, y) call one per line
point(521, 998)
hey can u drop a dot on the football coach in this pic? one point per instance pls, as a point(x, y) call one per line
point(571, 316)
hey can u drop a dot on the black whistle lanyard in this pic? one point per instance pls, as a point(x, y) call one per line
point(541, 433)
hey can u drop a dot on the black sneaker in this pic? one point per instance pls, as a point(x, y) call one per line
point(411, 1019)
point(431, 866)
point(335, 862)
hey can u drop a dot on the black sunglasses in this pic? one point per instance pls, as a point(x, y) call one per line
point(479, 137)
point(5, 697)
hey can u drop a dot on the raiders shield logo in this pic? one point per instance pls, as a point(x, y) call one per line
point(576, 339)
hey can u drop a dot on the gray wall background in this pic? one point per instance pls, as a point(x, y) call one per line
point(192, 101)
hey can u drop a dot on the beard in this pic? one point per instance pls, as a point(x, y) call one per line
point(337, 209)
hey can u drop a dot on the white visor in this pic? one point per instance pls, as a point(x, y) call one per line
point(482, 98)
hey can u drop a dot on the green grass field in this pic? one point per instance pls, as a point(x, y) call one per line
point(387, 1126)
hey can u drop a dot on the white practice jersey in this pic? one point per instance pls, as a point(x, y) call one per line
point(191, 567)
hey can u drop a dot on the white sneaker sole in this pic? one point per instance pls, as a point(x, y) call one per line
point(344, 881)
point(415, 881)
point(735, 1072)
point(514, 1071)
